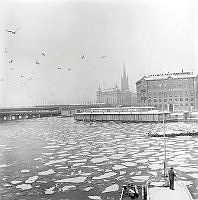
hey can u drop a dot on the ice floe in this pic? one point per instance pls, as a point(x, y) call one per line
point(99, 160)
point(48, 172)
point(118, 167)
point(31, 179)
point(129, 164)
point(78, 179)
point(15, 182)
point(68, 187)
point(112, 188)
point(24, 186)
point(106, 175)
point(55, 161)
point(49, 190)
point(95, 197)
point(25, 171)
point(3, 165)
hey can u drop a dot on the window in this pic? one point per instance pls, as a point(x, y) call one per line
point(191, 99)
point(181, 99)
point(165, 100)
point(155, 100)
point(186, 99)
point(176, 99)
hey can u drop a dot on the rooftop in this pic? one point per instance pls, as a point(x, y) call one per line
point(170, 75)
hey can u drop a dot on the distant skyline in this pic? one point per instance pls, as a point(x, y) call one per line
point(63, 50)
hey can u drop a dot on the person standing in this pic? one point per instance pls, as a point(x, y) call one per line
point(171, 178)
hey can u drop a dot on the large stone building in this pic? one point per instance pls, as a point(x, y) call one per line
point(176, 91)
point(117, 96)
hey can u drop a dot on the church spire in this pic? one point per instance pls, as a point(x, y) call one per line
point(124, 80)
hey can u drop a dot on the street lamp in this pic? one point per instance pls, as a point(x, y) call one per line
point(162, 85)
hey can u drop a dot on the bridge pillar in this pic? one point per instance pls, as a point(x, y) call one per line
point(16, 117)
point(9, 117)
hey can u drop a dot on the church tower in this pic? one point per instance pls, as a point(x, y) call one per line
point(124, 80)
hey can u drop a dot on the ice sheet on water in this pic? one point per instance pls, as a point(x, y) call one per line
point(155, 166)
point(88, 189)
point(118, 167)
point(31, 179)
point(15, 182)
point(55, 161)
point(187, 169)
point(95, 197)
point(129, 164)
point(24, 186)
point(51, 147)
point(194, 175)
point(49, 190)
point(106, 175)
point(25, 171)
point(48, 172)
point(3, 166)
point(78, 179)
point(99, 160)
point(111, 188)
point(67, 187)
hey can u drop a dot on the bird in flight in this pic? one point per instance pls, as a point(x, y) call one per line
point(58, 67)
point(69, 69)
point(37, 62)
point(13, 32)
point(6, 50)
point(43, 54)
point(102, 56)
point(83, 56)
point(11, 61)
point(22, 76)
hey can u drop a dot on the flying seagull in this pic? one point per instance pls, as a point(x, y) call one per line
point(11, 61)
point(83, 56)
point(13, 32)
point(102, 56)
point(43, 54)
point(69, 69)
point(6, 50)
point(37, 62)
point(58, 67)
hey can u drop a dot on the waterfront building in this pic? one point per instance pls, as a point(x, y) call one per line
point(176, 91)
point(116, 96)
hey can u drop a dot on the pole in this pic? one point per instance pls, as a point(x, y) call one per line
point(122, 194)
point(164, 134)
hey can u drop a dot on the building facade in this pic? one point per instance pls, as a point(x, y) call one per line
point(117, 96)
point(174, 91)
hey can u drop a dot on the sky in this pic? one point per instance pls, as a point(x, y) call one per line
point(148, 36)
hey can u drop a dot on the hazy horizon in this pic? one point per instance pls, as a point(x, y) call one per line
point(48, 65)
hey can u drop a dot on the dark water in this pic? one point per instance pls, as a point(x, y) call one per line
point(58, 158)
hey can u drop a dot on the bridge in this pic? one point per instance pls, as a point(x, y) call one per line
point(28, 112)
point(17, 113)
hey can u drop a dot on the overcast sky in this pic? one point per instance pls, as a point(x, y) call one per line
point(148, 36)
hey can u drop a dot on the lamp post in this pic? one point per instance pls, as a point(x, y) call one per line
point(162, 85)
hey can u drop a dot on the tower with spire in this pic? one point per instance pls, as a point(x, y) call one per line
point(124, 80)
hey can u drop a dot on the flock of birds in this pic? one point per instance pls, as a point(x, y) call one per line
point(37, 62)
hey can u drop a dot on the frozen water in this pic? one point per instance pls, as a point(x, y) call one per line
point(106, 175)
point(31, 179)
point(112, 188)
point(48, 172)
point(78, 179)
point(24, 186)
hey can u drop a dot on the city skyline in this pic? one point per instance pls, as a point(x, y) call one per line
point(63, 50)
